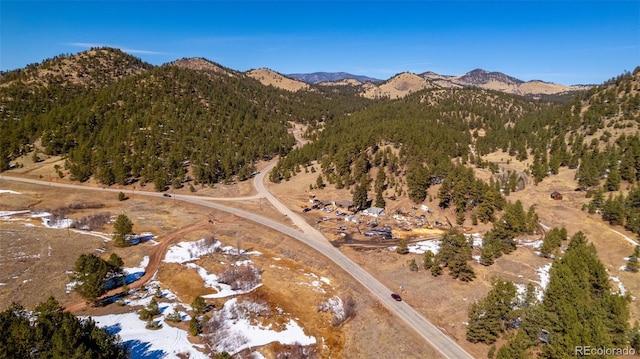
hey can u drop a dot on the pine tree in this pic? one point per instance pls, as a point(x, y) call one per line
point(516, 348)
point(578, 306)
point(551, 243)
point(121, 229)
point(194, 326)
point(52, 333)
point(454, 253)
point(92, 273)
point(198, 305)
point(360, 199)
point(417, 182)
point(403, 248)
point(487, 255)
point(427, 261)
point(413, 266)
point(487, 317)
point(319, 182)
point(632, 263)
point(613, 179)
point(380, 202)
point(436, 269)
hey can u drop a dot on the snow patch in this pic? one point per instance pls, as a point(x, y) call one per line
point(189, 251)
point(9, 191)
point(476, 239)
point(104, 236)
point(543, 272)
point(621, 287)
point(166, 342)
point(335, 306)
point(535, 244)
point(59, 224)
point(239, 334)
point(40, 214)
point(421, 247)
point(11, 213)
point(134, 273)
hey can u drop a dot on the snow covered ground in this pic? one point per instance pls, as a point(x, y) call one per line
point(235, 317)
point(166, 342)
point(421, 247)
point(543, 273)
point(621, 289)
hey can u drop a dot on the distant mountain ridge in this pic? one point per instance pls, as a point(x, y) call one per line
point(319, 77)
point(404, 83)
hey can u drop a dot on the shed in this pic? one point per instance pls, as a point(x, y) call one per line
point(374, 211)
point(556, 195)
point(344, 204)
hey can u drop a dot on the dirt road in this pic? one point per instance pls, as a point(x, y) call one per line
point(155, 258)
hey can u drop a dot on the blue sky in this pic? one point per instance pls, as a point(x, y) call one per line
point(567, 42)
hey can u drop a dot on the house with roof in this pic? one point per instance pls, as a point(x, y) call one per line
point(344, 204)
point(374, 212)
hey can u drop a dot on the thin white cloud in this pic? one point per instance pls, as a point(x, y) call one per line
point(127, 50)
point(146, 52)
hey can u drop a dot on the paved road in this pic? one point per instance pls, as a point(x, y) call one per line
point(316, 240)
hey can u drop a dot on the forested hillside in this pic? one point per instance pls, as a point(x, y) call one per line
point(409, 144)
point(155, 124)
point(578, 311)
point(413, 143)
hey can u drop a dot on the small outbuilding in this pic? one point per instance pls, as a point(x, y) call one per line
point(374, 211)
point(348, 205)
point(556, 195)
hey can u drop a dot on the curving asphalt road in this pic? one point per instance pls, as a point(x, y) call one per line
point(316, 240)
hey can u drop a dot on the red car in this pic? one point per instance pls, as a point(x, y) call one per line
point(396, 296)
